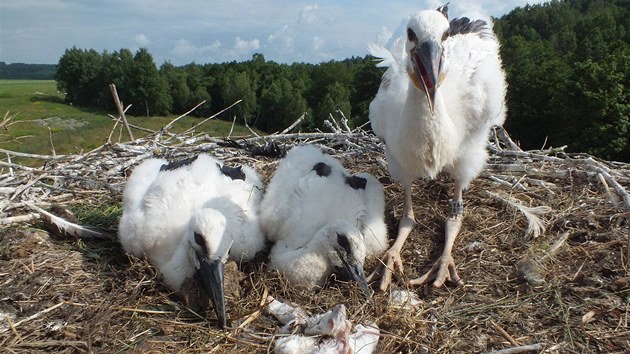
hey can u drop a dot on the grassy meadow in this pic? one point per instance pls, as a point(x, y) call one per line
point(39, 115)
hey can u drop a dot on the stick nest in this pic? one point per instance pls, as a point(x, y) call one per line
point(543, 252)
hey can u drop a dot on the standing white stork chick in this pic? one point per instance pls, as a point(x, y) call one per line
point(321, 219)
point(187, 216)
point(442, 92)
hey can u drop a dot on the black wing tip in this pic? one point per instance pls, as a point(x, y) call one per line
point(269, 149)
point(322, 169)
point(356, 182)
point(173, 165)
point(464, 25)
point(233, 172)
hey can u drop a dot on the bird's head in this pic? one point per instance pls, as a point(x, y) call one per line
point(426, 32)
point(209, 249)
point(347, 253)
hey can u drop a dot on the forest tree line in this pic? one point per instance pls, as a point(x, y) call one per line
point(21, 71)
point(272, 95)
point(567, 64)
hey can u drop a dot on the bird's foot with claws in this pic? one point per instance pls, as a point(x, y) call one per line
point(443, 270)
point(390, 263)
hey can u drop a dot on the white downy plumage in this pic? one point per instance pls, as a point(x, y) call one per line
point(321, 218)
point(187, 216)
point(442, 92)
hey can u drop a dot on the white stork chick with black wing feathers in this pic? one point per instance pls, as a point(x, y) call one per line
point(186, 217)
point(442, 92)
point(321, 219)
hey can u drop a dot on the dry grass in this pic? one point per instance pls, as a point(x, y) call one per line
point(567, 289)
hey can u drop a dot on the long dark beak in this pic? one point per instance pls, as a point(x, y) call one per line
point(355, 272)
point(425, 58)
point(211, 272)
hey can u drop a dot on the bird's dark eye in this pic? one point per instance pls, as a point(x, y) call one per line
point(344, 242)
point(444, 36)
point(411, 35)
point(199, 239)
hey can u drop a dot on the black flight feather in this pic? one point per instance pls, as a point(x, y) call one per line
point(322, 169)
point(232, 172)
point(173, 165)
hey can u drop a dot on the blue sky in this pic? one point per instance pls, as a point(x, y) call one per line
point(209, 31)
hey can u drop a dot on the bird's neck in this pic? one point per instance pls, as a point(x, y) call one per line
point(180, 267)
point(418, 105)
point(425, 139)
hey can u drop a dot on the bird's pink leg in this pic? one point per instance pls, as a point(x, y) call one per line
point(391, 261)
point(444, 267)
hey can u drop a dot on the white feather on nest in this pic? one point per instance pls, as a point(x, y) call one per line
point(536, 226)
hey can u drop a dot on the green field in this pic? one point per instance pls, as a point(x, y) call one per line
point(39, 115)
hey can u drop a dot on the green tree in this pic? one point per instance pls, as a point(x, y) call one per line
point(602, 89)
point(79, 76)
point(336, 97)
point(116, 69)
point(566, 63)
point(237, 86)
point(149, 92)
point(177, 86)
point(280, 106)
point(366, 81)
point(196, 83)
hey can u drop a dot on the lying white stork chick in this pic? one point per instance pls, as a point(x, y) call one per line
point(443, 91)
point(187, 216)
point(321, 219)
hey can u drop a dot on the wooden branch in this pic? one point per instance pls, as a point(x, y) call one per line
point(252, 131)
point(232, 127)
point(11, 172)
point(119, 105)
point(519, 349)
point(19, 219)
point(504, 137)
point(170, 124)
point(32, 317)
point(294, 124)
point(27, 186)
point(109, 137)
point(606, 173)
point(6, 121)
point(116, 169)
point(136, 127)
point(211, 117)
point(32, 156)
point(525, 154)
point(504, 333)
point(344, 121)
point(52, 145)
point(116, 121)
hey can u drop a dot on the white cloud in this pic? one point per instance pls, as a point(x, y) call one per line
point(471, 10)
point(318, 43)
point(142, 40)
point(215, 45)
point(184, 49)
point(383, 36)
point(204, 31)
point(308, 15)
point(246, 46)
point(282, 40)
